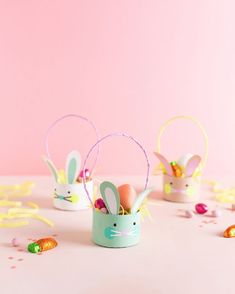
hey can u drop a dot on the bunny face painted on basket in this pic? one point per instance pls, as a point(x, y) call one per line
point(113, 229)
point(181, 189)
point(118, 229)
point(68, 193)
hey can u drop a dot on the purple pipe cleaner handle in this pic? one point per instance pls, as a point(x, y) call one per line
point(104, 138)
point(65, 117)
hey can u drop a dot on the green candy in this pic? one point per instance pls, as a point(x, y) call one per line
point(34, 248)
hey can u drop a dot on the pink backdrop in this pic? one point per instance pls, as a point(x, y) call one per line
point(127, 65)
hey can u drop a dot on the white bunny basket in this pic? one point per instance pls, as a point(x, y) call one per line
point(182, 178)
point(69, 193)
point(115, 229)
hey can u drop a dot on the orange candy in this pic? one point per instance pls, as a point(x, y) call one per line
point(230, 232)
point(176, 169)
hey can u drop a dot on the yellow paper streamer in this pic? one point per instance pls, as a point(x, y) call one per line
point(32, 205)
point(224, 195)
point(16, 190)
point(7, 203)
point(16, 211)
point(14, 225)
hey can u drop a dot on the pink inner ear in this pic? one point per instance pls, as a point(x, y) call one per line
point(192, 165)
point(165, 163)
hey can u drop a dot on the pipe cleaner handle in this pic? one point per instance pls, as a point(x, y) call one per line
point(113, 135)
point(196, 122)
point(63, 118)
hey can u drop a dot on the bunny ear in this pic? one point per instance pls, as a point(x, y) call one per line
point(191, 165)
point(140, 200)
point(165, 163)
point(51, 167)
point(111, 197)
point(73, 164)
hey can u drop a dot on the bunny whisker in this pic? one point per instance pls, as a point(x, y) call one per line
point(114, 231)
point(115, 235)
point(133, 233)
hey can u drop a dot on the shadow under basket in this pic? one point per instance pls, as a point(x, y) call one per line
point(116, 231)
point(72, 196)
point(181, 189)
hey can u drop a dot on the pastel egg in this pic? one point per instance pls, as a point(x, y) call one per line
point(104, 210)
point(189, 214)
point(216, 213)
point(127, 195)
point(184, 159)
point(15, 242)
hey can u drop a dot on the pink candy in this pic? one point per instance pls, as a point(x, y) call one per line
point(84, 173)
point(201, 208)
point(15, 242)
point(189, 214)
point(104, 210)
point(216, 213)
point(99, 203)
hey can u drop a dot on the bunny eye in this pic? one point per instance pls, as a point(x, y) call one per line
point(186, 185)
point(171, 183)
point(55, 189)
point(114, 224)
point(68, 192)
point(134, 223)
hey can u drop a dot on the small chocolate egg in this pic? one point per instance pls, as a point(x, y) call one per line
point(189, 213)
point(183, 160)
point(99, 203)
point(15, 242)
point(230, 232)
point(127, 195)
point(201, 208)
point(104, 210)
point(216, 213)
point(84, 174)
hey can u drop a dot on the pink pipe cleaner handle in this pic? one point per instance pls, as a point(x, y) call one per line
point(70, 116)
point(112, 135)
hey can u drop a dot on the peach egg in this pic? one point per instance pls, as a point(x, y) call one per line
point(127, 196)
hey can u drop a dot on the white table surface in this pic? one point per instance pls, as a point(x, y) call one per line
point(175, 255)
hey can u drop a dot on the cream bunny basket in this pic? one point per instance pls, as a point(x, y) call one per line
point(116, 229)
point(182, 178)
point(69, 193)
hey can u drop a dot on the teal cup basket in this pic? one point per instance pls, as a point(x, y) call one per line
point(113, 229)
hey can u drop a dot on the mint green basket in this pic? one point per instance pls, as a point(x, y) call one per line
point(114, 230)
point(110, 230)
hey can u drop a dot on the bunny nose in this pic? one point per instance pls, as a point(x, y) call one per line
point(125, 233)
point(178, 190)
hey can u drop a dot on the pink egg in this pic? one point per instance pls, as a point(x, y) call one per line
point(201, 208)
point(189, 214)
point(104, 210)
point(15, 242)
point(216, 213)
point(99, 203)
point(127, 196)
